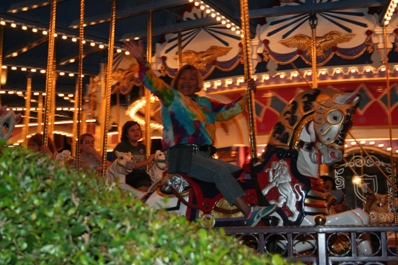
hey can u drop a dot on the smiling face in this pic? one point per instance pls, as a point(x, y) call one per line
point(187, 83)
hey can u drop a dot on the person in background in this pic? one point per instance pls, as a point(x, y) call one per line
point(35, 143)
point(189, 121)
point(163, 75)
point(328, 183)
point(340, 204)
point(90, 158)
point(130, 142)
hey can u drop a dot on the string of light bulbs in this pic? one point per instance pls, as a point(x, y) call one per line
point(390, 11)
point(214, 14)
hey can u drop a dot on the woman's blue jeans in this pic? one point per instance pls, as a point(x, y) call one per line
point(208, 169)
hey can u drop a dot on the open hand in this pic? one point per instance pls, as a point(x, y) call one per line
point(150, 159)
point(136, 49)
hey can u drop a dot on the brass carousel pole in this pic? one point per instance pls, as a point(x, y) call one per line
point(104, 101)
point(79, 89)
point(244, 10)
point(388, 88)
point(1, 54)
point(51, 118)
point(118, 107)
point(50, 70)
point(313, 24)
point(148, 131)
point(108, 87)
point(179, 50)
point(25, 128)
point(75, 124)
point(39, 113)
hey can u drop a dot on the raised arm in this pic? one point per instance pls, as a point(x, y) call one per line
point(150, 80)
point(136, 49)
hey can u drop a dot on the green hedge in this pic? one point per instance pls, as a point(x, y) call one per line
point(52, 215)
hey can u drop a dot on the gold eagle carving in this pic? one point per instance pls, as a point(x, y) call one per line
point(125, 79)
point(202, 58)
point(322, 43)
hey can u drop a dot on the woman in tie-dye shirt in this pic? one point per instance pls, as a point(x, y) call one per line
point(189, 120)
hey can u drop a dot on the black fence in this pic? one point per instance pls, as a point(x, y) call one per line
point(376, 244)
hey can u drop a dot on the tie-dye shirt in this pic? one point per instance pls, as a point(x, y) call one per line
point(186, 120)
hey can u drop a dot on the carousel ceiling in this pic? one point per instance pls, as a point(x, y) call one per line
point(25, 24)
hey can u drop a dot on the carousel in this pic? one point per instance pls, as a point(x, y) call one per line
point(326, 105)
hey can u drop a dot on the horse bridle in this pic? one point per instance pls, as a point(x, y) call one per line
point(160, 161)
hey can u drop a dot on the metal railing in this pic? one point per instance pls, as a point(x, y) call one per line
point(324, 244)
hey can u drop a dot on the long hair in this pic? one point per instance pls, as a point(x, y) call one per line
point(189, 67)
point(125, 129)
point(38, 139)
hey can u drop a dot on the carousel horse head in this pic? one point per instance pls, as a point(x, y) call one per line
point(158, 167)
point(122, 166)
point(8, 119)
point(310, 131)
point(315, 123)
point(117, 171)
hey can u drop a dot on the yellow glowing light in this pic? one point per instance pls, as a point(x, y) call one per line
point(139, 104)
point(356, 180)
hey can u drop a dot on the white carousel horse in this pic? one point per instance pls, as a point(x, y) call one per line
point(124, 165)
point(159, 166)
point(310, 132)
point(163, 197)
point(8, 119)
point(118, 170)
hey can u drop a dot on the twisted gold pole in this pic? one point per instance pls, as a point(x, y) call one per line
point(313, 24)
point(51, 117)
point(118, 107)
point(104, 101)
point(244, 10)
point(1, 52)
point(148, 132)
point(79, 88)
point(179, 50)
point(25, 128)
point(108, 84)
point(388, 89)
point(50, 69)
point(74, 144)
point(39, 113)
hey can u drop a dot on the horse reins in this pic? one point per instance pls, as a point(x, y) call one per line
point(160, 161)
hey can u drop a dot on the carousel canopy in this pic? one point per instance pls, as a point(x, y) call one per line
point(25, 25)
